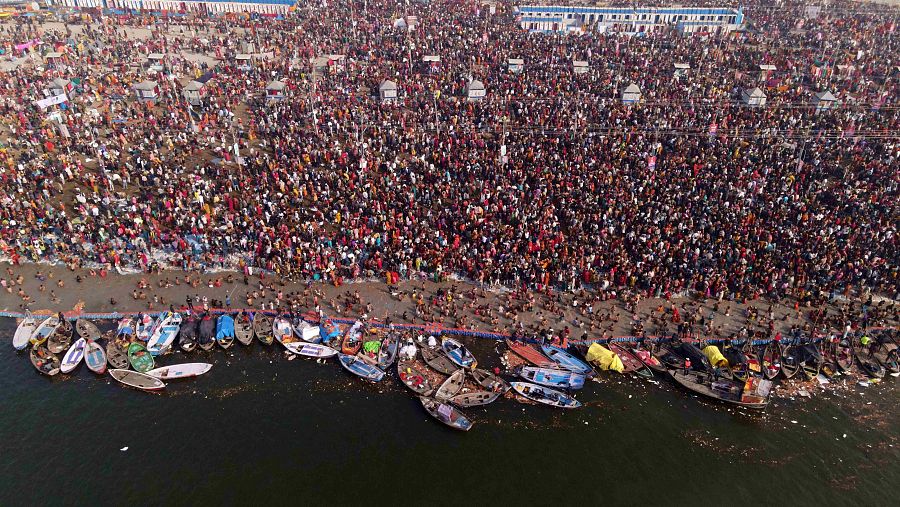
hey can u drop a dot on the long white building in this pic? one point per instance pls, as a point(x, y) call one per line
point(556, 18)
point(273, 7)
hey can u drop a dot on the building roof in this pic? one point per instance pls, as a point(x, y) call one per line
point(579, 63)
point(682, 65)
point(767, 67)
point(632, 88)
point(431, 58)
point(54, 54)
point(825, 96)
point(516, 61)
point(242, 56)
point(193, 86)
point(276, 85)
point(59, 83)
point(155, 56)
point(754, 93)
point(145, 85)
point(475, 85)
point(387, 84)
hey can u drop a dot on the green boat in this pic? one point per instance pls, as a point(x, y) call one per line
point(140, 359)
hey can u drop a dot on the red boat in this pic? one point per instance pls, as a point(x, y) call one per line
point(631, 363)
point(531, 354)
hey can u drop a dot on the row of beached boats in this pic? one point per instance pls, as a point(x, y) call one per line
point(549, 374)
point(57, 346)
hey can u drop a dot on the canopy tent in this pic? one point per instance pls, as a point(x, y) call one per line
point(604, 358)
point(715, 356)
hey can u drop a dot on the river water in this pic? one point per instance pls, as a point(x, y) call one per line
point(261, 429)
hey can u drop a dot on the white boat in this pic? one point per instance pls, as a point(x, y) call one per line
point(144, 327)
point(95, 357)
point(24, 331)
point(545, 395)
point(137, 380)
point(73, 356)
point(176, 371)
point(310, 349)
point(164, 333)
point(283, 330)
point(44, 330)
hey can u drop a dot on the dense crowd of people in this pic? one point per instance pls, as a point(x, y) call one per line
point(550, 181)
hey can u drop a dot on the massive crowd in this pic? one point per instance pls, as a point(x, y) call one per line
point(549, 181)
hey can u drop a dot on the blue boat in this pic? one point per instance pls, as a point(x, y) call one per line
point(225, 331)
point(550, 377)
point(360, 368)
point(566, 360)
point(458, 353)
point(545, 395)
point(329, 331)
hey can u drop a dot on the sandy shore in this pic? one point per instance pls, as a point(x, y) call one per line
point(490, 310)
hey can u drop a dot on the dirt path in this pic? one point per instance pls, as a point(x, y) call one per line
point(467, 307)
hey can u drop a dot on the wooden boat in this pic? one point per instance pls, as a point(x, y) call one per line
point(352, 342)
point(140, 359)
point(809, 358)
point(164, 333)
point(187, 335)
point(144, 327)
point(843, 355)
point(243, 330)
point(530, 353)
point(307, 349)
point(649, 360)
point(490, 381)
point(870, 367)
point(388, 352)
point(44, 361)
point(439, 362)
point(474, 399)
point(551, 377)
point(458, 353)
point(95, 357)
point(751, 394)
point(61, 338)
point(790, 364)
point(631, 363)
point(889, 358)
point(283, 331)
point(44, 330)
point(116, 355)
point(451, 386)
point(137, 380)
point(666, 355)
point(545, 395)
point(24, 331)
point(447, 414)
point(73, 356)
point(87, 330)
point(413, 378)
point(771, 360)
point(742, 362)
point(360, 368)
point(207, 337)
point(225, 331)
point(566, 361)
point(262, 328)
point(177, 371)
point(828, 369)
